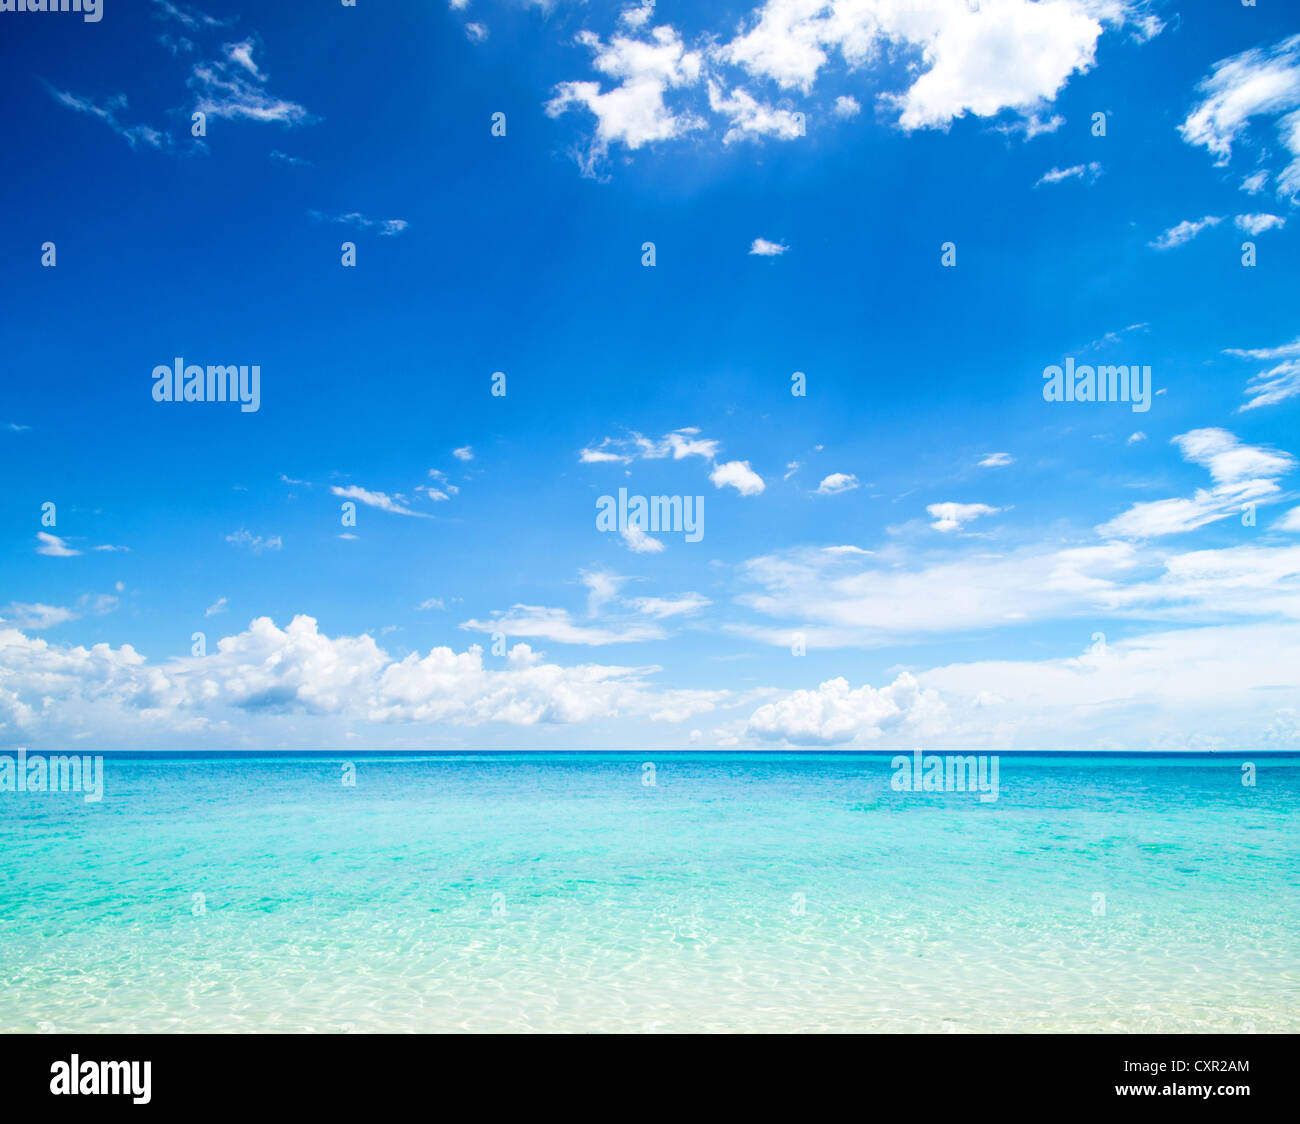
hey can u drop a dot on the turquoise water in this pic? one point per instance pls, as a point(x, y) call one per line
point(753, 892)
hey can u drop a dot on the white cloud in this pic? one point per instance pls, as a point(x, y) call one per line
point(464, 453)
point(679, 444)
point(1241, 474)
point(395, 505)
point(637, 541)
point(234, 87)
point(1031, 126)
point(953, 516)
point(602, 588)
point(751, 118)
point(256, 543)
point(664, 607)
point(997, 460)
point(37, 616)
point(765, 249)
point(1222, 687)
point(432, 603)
point(633, 112)
point(836, 483)
point(1276, 384)
point(1254, 183)
point(218, 606)
point(109, 111)
point(1004, 55)
point(601, 456)
point(190, 18)
point(534, 622)
point(846, 107)
point(1136, 438)
point(476, 32)
point(1289, 522)
point(53, 546)
point(55, 693)
point(1260, 82)
point(1184, 232)
point(358, 221)
point(1088, 172)
point(834, 713)
point(837, 598)
point(637, 16)
point(738, 475)
point(1257, 224)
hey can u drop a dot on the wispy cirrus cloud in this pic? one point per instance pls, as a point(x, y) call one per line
point(256, 543)
point(1183, 232)
point(394, 505)
point(1257, 83)
point(1277, 383)
point(1241, 474)
point(1089, 173)
point(358, 221)
point(234, 86)
point(109, 111)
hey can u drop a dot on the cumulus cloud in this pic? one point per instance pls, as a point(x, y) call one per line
point(954, 516)
point(846, 107)
point(1008, 55)
point(1257, 224)
point(835, 713)
point(632, 111)
point(762, 248)
point(51, 692)
point(750, 118)
point(836, 483)
point(738, 475)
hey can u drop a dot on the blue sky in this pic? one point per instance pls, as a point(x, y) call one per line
point(959, 561)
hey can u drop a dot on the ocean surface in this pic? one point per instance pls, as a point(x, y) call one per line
point(738, 892)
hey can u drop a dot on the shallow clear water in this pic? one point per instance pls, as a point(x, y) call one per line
point(740, 892)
